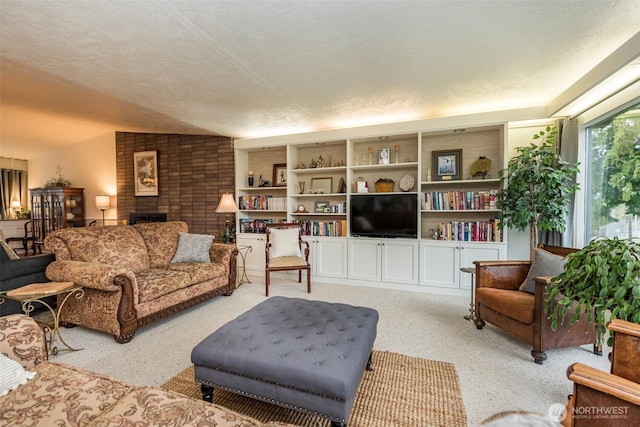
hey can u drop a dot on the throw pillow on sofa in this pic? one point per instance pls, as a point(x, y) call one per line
point(193, 248)
point(12, 374)
point(544, 264)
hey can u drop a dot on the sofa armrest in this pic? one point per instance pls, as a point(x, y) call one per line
point(604, 382)
point(22, 340)
point(501, 274)
point(227, 255)
point(89, 274)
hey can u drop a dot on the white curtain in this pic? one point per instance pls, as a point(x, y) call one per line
point(13, 186)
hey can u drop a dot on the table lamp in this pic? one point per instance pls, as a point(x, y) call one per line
point(227, 205)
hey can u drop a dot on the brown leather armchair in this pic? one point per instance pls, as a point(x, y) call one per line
point(499, 301)
point(608, 399)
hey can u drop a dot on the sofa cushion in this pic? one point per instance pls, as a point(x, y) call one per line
point(193, 248)
point(150, 407)
point(199, 272)
point(118, 246)
point(156, 282)
point(514, 304)
point(544, 264)
point(161, 239)
point(61, 395)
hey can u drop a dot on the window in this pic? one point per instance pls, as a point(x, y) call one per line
point(613, 176)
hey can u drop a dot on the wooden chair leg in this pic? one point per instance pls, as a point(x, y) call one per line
point(308, 280)
point(299, 276)
point(266, 283)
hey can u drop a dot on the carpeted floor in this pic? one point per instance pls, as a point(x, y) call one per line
point(400, 391)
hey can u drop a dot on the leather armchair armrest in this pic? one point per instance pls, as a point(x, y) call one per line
point(604, 382)
point(501, 274)
point(624, 327)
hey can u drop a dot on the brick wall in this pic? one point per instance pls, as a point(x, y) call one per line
point(193, 172)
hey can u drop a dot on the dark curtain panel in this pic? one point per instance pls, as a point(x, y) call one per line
point(567, 146)
point(13, 186)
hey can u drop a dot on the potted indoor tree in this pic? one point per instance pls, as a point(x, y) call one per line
point(538, 188)
point(604, 279)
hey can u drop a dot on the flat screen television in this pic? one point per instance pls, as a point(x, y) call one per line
point(384, 215)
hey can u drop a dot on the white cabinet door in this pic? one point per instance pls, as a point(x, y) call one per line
point(439, 264)
point(364, 259)
point(400, 261)
point(255, 257)
point(329, 257)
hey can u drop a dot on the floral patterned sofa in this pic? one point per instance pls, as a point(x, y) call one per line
point(136, 274)
point(63, 395)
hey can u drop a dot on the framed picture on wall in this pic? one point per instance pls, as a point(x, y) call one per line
point(446, 164)
point(145, 170)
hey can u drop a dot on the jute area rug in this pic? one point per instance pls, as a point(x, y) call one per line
point(400, 391)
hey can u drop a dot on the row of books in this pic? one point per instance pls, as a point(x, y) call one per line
point(471, 231)
point(458, 200)
point(262, 203)
point(255, 225)
point(323, 228)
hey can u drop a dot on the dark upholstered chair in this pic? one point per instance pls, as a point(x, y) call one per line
point(500, 301)
point(615, 395)
point(284, 252)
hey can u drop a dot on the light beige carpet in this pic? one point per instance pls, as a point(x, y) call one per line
point(400, 391)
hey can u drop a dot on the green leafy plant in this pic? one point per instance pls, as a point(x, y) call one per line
point(538, 188)
point(23, 213)
point(57, 181)
point(603, 278)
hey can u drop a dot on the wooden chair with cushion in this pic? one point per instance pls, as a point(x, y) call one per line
point(511, 296)
point(608, 399)
point(284, 251)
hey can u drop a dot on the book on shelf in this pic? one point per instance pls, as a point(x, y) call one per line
point(458, 200)
point(337, 228)
point(264, 202)
point(246, 225)
point(471, 231)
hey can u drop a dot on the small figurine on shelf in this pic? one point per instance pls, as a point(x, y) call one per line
point(320, 163)
point(313, 164)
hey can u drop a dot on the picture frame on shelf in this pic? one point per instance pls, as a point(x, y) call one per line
point(279, 175)
point(321, 206)
point(145, 172)
point(321, 185)
point(446, 164)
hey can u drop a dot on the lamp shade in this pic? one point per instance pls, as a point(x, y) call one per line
point(227, 204)
point(103, 202)
point(16, 204)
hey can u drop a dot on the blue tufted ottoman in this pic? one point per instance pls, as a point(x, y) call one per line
point(305, 355)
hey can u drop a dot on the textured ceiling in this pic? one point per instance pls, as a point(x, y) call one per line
point(75, 70)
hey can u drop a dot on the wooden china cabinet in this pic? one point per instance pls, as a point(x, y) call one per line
point(53, 208)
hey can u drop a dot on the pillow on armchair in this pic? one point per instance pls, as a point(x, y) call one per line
point(284, 243)
point(544, 264)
